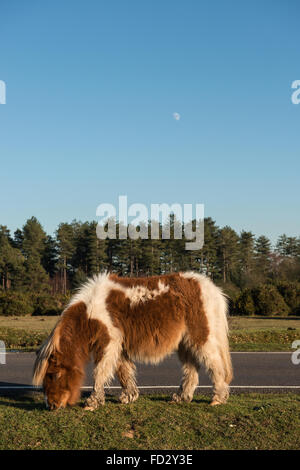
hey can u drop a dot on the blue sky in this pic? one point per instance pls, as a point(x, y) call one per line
point(91, 91)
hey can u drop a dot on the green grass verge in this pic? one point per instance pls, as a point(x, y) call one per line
point(24, 340)
point(30, 323)
point(263, 339)
point(240, 340)
point(241, 323)
point(46, 323)
point(248, 421)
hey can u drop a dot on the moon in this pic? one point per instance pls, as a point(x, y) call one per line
point(176, 116)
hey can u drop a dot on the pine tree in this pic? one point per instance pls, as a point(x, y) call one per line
point(33, 247)
point(97, 247)
point(228, 252)
point(18, 239)
point(11, 261)
point(50, 256)
point(205, 260)
point(263, 255)
point(34, 238)
point(150, 257)
point(66, 236)
point(246, 259)
point(287, 246)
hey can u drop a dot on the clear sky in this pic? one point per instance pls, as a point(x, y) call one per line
point(91, 91)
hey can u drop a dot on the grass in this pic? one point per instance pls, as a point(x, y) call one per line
point(29, 323)
point(248, 421)
point(263, 339)
point(258, 323)
point(46, 323)
point(22, 340)
point(263, 334)
point(246, 334)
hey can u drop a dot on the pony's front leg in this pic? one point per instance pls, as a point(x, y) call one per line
point(97, 396)
point(103, 373)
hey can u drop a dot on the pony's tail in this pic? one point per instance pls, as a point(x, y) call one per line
point(227, 363)
point(224, 330)
point(216, 307)
point(42, 358)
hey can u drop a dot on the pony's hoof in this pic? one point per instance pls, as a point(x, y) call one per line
point(89, 408)
point(176, 398)
point(215, 402)
point(126, 398)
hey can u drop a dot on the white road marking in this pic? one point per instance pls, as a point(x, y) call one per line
point(259, 352)
point(30, 387)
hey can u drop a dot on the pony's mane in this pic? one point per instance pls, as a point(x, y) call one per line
point(43, 354)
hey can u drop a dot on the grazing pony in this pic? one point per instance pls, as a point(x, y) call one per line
point(121, 320)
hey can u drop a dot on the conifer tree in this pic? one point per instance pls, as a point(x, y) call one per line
point(263, 255)
point(33, 246)
point(66, 235)
point(228, 252)
point(11, 261)
point(246, 259)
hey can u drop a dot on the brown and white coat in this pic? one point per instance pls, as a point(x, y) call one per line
point(122, 320)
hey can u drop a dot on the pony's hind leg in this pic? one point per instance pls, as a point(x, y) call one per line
point(213, 360)
point(216, 368)
point(190, 375)
point(126, 371)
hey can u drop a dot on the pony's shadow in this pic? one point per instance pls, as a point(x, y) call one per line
point(20, 400)
point(31, 400)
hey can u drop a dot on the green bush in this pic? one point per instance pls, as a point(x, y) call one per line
point(290, 291)
point(244, 304)
point(49, 304)
point(265, 300)
point(46, 305)
point(296, 311)
point(18, 303)
point(14, 303)
point(268, 301)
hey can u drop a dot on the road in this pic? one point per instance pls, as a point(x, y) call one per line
point(252, 371)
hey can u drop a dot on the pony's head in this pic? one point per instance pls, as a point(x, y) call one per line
point(59, 365)
point(61, 383)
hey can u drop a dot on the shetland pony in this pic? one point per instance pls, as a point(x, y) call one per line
point(122, 320)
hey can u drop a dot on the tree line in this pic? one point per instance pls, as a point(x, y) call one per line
point(33, 261)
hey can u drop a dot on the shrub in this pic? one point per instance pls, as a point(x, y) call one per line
point(14, 303)
point(290, 291)
point(268, 301)
point(264, 299)
point(49, 304)
point(297, 311)
point(244, 304)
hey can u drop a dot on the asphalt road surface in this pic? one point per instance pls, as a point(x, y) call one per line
point(252, 371)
